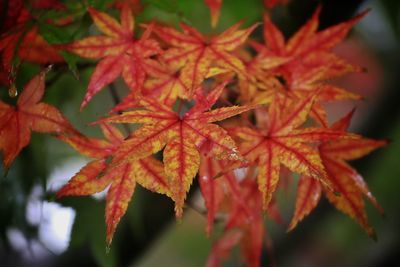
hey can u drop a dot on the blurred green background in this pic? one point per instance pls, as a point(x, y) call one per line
point(38, 230)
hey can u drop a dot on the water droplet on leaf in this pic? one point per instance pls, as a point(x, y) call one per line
point(12, 91)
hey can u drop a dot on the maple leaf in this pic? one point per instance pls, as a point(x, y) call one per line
point(221, 248)
point(193, 54)
point(119, 52)
point(96, 177)
point(310, 63)
point(306, 41)
point(250, 225)
point(166, 87)
point(17, 122)
point(183, 135)
point(23, 41)
point(252, 228)
point(308, 196)
point(261, 84)
point(240, 201)
point(215, 9)
point(213, 190)
point(281, 143)
point(309, 49)
point(216, 190)
point(347, 181)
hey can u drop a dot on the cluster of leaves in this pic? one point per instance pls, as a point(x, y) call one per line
point(236, 114)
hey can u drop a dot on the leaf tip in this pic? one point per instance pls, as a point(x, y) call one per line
point(178, 213)
point(372, 234)
point(108, 248)
point(291, 226)
point(109, 236)
point(179, 220)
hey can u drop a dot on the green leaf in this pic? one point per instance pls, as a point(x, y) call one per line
point(59, 35)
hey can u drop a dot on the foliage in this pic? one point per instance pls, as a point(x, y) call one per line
point(237, 114)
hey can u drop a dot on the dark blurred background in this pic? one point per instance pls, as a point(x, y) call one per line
point(38, 230)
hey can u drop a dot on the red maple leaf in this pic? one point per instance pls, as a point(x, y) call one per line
point(24, 41)
point(308, 46)
point(166, 87)
point(217, 185)
point(244, 224)
point(194, 54)
point(348, 183)
point(17, 122)
point(119, 52)
point(96, 177)
point(310, 63)
point(183, 136)
point(280, 142)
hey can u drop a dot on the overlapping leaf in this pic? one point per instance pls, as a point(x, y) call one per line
point(215, 191)
point(281, 143)
point(307, 43)
point(309, 50)
point(96, 177)
point(166, 87)
point(23, 40)
point(119, 52)
point(244, 225)
point(310, 63)
point(348, 183)
point(167, 98)
point(183, 135)
point(17, 122)
point(194, 54)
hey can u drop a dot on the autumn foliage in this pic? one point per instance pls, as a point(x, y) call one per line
point(234, 112)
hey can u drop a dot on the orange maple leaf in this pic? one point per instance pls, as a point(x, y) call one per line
point(183, 135)
point(280, 142)
point(307, 43)
point(166, 87)
point(308, 49)
point(261, 84)
point(95, 176)
point(346, 180)
point(16, 122)
point(309, 64)
point(119, 52)
point(193, 54)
